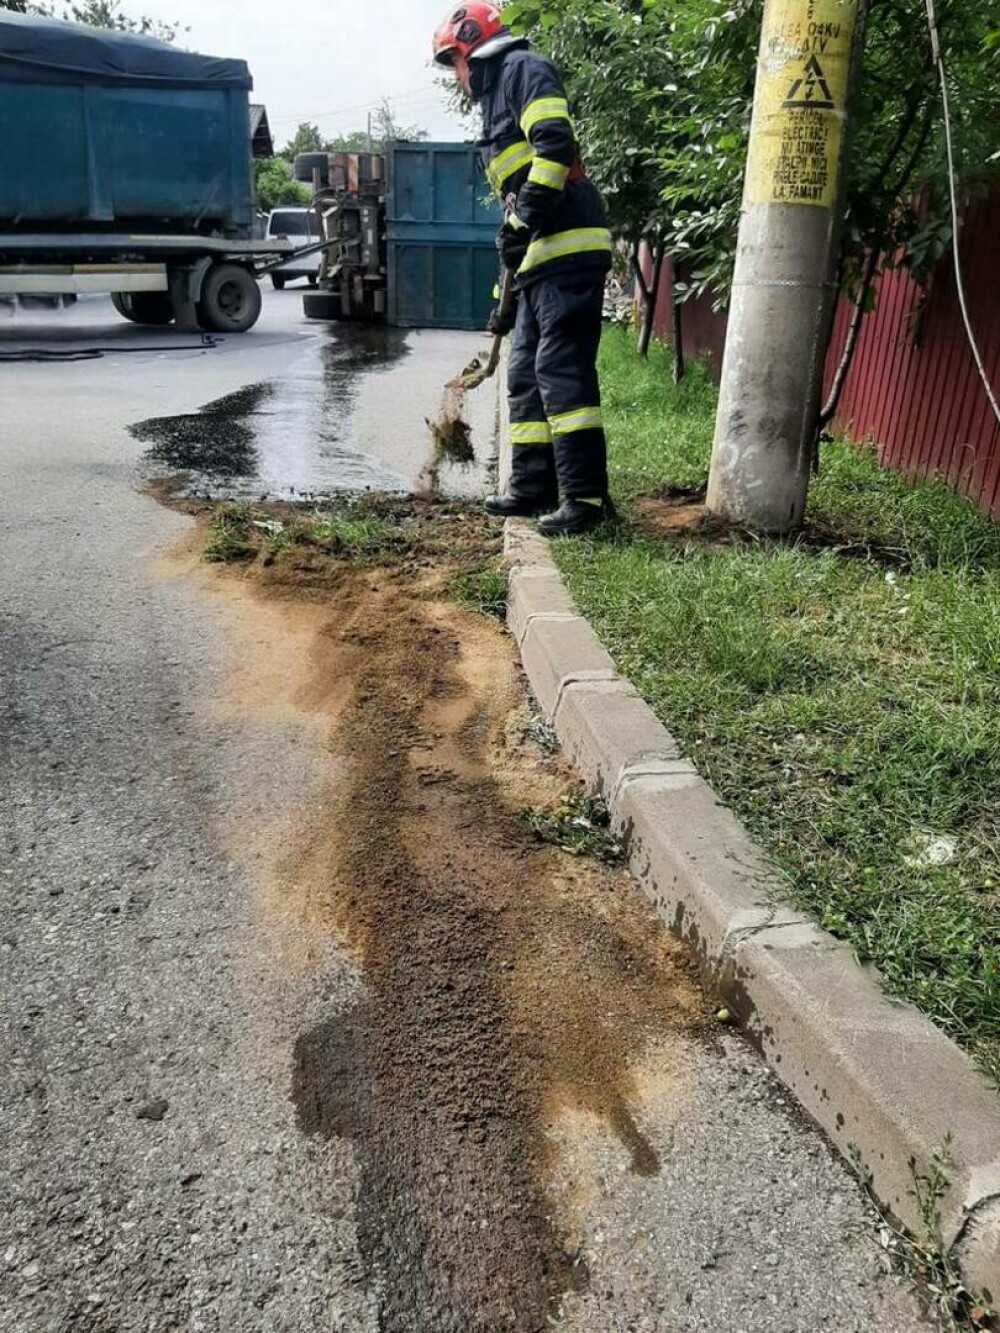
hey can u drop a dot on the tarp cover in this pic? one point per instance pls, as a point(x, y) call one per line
point(36, 50)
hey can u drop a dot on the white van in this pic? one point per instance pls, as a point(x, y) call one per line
point(299, 225)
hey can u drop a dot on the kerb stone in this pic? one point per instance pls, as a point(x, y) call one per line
point(556, 653)
point(606, 729)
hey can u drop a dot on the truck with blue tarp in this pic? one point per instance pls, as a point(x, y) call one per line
point(125, 167)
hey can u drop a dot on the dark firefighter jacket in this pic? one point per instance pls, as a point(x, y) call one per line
point(530, 155)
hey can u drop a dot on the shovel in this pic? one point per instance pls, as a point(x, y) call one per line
point(475, 374)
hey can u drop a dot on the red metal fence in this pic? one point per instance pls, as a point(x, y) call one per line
point(913, 387)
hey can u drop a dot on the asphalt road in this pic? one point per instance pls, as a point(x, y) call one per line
point(153, 1173)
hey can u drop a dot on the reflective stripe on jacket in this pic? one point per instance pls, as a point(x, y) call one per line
point(530, 156)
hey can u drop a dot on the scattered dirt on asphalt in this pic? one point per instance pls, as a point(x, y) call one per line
point(508, 986)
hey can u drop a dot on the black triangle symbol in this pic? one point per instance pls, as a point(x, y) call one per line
point(812, 90)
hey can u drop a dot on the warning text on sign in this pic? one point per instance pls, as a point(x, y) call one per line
point(801, 102)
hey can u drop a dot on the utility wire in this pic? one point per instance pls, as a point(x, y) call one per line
point(359, 106)
point(953, 190)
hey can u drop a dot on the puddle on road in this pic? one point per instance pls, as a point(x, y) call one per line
point(347, 416)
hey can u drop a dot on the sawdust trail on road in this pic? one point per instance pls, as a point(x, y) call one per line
point(505, 982)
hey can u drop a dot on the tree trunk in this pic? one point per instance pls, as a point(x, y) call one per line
point(851, 344)
point(649, 292)
point(640, 282)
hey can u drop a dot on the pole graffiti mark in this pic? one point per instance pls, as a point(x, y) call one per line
point(801, 105)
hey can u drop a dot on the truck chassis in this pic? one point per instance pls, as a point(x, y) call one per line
point(199, 282)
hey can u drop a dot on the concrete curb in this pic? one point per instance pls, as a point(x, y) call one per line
point(888, 1088)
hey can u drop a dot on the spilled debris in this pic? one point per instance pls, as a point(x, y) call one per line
point(506, 983)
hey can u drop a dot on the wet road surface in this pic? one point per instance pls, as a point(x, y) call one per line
point(159, 996)
point(337, 408)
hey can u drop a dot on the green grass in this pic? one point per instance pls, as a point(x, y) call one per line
point(349, 531)
point(645, 457)
point(230, 535)
point(485, 590)
point(242, 531)
point(842, 691)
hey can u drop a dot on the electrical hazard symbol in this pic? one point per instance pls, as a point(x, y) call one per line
point(811, 91)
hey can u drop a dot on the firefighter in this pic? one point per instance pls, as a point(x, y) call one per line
point(555, 238)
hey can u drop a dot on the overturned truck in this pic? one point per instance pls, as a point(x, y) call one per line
point(410, 236)
point(349, 200)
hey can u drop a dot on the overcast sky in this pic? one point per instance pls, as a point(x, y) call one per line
point(326, 61)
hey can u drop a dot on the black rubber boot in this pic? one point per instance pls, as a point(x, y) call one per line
point(573, 517)
point(515, 506)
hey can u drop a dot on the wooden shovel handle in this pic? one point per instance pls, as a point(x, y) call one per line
point(507, 298)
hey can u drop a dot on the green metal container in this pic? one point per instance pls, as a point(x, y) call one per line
point(441, 227)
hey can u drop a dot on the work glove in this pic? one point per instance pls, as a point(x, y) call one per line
point(513, 242)
point(501, 322)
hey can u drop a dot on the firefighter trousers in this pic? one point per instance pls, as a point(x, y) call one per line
point(557, 431)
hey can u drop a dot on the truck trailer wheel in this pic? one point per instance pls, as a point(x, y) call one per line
point(122, 303)
point(230, 300)
point(321, 305)
point(154, 308)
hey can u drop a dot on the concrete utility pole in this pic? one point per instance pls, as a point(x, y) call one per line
point(784, 288)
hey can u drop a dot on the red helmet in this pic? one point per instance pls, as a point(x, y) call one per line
point(465, 29)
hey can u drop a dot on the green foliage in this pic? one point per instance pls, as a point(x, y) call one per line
point(924, 1256)
point(108, 14)
point(306, 139)
point(276, 185)
point(663, 91)
point(619, 87)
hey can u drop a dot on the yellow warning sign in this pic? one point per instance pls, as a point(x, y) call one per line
point(801, 103)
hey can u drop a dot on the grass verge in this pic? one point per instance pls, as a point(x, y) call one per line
point(485, 590)
point(242, 531)
point(840, 691)
point(410, 537)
